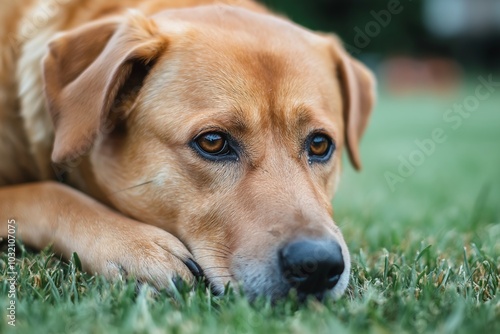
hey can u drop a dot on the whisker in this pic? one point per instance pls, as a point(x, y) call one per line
point(210, 268)
point(210, 255)
point(219, 243)
point(136, 186)
point(222, 251)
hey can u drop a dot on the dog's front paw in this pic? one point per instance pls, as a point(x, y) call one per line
point(145, 253)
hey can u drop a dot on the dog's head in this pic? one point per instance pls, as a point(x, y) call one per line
point(224, 127)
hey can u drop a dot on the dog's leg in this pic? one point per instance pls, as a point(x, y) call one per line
point(106, 242)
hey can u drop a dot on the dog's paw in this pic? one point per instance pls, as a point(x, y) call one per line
point(147, 254)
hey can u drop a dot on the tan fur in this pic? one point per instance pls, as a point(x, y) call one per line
point(113, 92)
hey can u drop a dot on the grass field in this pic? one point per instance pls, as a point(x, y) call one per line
point(426, 255)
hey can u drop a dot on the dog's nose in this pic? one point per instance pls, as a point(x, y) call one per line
point(312, 266)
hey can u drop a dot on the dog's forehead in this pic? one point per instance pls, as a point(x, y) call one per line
point(222, 32)
point(272, 78)
point(235, 19)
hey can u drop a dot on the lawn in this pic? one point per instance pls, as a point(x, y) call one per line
point(426, 252)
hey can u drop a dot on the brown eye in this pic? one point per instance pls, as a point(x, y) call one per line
point(320, 148)
point(212, 143)
point(214, 146)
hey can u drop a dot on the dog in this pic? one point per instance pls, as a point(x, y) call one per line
point(191, 138)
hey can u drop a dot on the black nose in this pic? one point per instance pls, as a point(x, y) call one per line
point(312, 266)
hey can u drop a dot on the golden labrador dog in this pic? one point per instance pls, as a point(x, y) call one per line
point(192, 137)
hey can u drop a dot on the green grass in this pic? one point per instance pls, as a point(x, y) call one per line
point(426, 257)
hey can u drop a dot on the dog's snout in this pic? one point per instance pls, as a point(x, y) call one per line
point(312, 266)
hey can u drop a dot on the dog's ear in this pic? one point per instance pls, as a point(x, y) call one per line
point(358, 88)
point(87, 68)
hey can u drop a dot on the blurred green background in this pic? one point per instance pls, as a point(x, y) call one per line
point(466, 30)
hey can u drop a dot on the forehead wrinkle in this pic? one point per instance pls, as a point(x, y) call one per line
point(300, 122)
point(305, 120)
point(231, 120)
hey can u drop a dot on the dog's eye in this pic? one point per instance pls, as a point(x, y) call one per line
point(214, 146)
point(213, 143)
point(320, 148)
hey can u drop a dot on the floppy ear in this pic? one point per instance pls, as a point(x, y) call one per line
point(358, 86)
point(86, 69)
